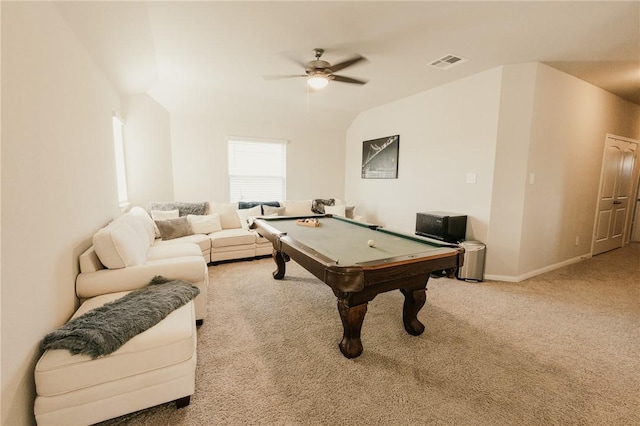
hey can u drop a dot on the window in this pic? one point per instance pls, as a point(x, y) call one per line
point(257, 170)
point(121, 173)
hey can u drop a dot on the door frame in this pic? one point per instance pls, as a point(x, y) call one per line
point(635, 175)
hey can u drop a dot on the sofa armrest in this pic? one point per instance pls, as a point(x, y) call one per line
point(189, 268)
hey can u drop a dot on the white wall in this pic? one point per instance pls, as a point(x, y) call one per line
point(570, 121)
point(505, 125)
point(147, 136)
point(58, 184)
point(510, 172)
point(315, 155)
point(445, 133)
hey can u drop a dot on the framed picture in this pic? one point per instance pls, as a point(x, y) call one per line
point(380, 158)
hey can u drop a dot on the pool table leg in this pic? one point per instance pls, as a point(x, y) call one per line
point(280, 258)
point(414, 300)
point(352, 318)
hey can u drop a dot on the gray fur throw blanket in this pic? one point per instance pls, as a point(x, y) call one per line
point(183, 208)
point(103, 330)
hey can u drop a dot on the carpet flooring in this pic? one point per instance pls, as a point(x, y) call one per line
point(562, 348)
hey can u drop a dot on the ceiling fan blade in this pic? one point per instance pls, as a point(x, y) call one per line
point(291, 56)
point(347, 79)
point(342, 65)
point(278, 77)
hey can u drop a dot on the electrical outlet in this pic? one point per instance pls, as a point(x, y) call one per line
point(577, 240)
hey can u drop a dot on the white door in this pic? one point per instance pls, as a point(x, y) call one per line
point(635, 228)
point(614, 201)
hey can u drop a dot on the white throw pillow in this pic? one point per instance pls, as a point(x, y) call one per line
point(118, 246)
point(245, 215)
point(204, 224)
point(297, 208)
point(228, 216)
point(273, 211)
point(335, 210)
point(163, 215)
point(137, 226)
point(142, 215)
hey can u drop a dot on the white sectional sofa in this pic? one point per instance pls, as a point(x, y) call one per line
point(159, 364)
point(152, 368)
point(223, 232)
point(127, 253)
point(125, 256)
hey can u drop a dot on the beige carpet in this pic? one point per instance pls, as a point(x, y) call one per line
point(559, 349)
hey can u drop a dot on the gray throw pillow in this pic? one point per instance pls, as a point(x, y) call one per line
point(184, 209)
point(317, 205)
point(349, 211)
point(174, 228)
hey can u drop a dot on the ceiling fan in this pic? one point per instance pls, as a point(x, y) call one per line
point(320, 72)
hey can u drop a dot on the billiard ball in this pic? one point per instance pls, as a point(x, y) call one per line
point(371, 243)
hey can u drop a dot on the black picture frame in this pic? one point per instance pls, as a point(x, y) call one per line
point(380, 158)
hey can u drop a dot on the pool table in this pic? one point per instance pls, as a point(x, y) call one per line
point(359, 261)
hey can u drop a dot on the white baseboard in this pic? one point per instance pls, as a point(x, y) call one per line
point(518, 278)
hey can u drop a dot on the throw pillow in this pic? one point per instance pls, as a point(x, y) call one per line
point(183, 208)
point(247, 215)
point(174, 228)
point(163, 215)
point(335, 210)
point(228, 216)
point(297, 208)
point(248, 204)
point(348, 211)
point(318, 205)
point(271, 211)
point(204, 224)
point(118, 246)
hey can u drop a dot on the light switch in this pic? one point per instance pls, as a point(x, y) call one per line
point(532, 178)
point(472, 178)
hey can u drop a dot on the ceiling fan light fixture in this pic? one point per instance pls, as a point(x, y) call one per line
point(317, 81)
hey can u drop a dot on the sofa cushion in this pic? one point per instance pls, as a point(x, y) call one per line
point(318, 205)
point(89, 261)
point(163, 215)
point(349, 211)
point(201, 240)
point(273, 211)
point(118, 245)
point(228, 217)
point(335, 210)
point(184, 209)
point(169, 342)
point(247, 215)
point(248, 204)
point(297, 208)
point(173, 250)
point(137, 226)
point(232, 237)
point(143, 217)
point(204, 224)
point(174, 228)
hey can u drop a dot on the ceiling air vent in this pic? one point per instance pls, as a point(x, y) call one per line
point(447, 61)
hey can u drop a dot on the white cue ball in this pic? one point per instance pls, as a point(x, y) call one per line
point(371, 243)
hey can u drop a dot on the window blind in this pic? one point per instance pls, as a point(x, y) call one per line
point(257, 170)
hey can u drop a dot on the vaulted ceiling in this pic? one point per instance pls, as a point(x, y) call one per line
point(190, 55)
